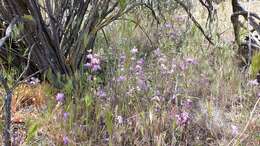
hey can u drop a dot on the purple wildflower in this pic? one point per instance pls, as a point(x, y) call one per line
point(65, 115)
point(122, 58)
point(182, 118)
point(96, 67)
point(163, 67)
point(134, 50)
point(119, 119)
point(60, 97)
point(157, 52)
point(162, 59)
point(90, 77)
point(34, 81)
point(93, 63)
point(121, 78)
point(188, 104)
point(101, 93)
point(167, 25)
point(234, 130)
point(87, 65)
point(183, 66)
point(138, 68)
point(89, 56)
point(140, 61)
point(173, 97)
point(258, 95)
point(253, 82)
point(156, 98)
point(141, 85)
point(191, 61)
point(65, 140)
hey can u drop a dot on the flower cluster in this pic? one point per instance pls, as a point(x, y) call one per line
point(140, 77)
point(165, 66)
point(187, 62)
point(234, 130)
point(93, 62)
point(18, 137)
point(60, 97)
point(101, 92)
point(183, 118)
point(33, 81)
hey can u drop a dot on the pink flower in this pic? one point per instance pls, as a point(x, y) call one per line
point(65, 115)
point(253, 82)
point(140, 61)
point(121, 78)
point(157, 52)
point(134, 50)
point(138, 68)
point(191, 61)
point(60, 97)
point(95, 61)
point(89, 56)
point(34, 81)
point(65, 140)
point(96, 67)
point(87, 65)
point(101, 93)
point(119, 119)
point(183, 66)
point(182, 118)
point(234, 130)
point(188, 104)
point(141, 85)
point(167, 25)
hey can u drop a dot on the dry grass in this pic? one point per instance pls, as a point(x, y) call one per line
point(195, 79)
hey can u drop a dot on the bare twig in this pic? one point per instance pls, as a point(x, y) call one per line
point(195, 21)
point(142, 29)
point(235, 140)
point(28, 64)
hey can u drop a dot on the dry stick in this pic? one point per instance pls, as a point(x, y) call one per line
point(8, 96)
point(195, 21)
point(142, 29)
point(248, 29)
point(28, 64)
point(236, 139)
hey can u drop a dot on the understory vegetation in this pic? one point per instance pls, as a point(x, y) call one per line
point(151, 73)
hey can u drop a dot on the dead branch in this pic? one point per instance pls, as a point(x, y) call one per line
point(195, 21)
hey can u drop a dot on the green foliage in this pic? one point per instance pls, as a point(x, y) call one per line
point(31, 132)
point(122, 4)
point(109, 125)
point(88, 100)
point(109, 122)
point(68, 87)
point(28, 17)
point(255, 65)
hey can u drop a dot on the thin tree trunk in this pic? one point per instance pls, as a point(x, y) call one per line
point(7, 112)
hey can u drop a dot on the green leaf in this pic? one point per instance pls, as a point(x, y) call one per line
point(28, 17)
point(68, 88)
point(88, 100)
point(31, 132)
point(85, 40)
point(109, 122)
point(122, 4)
point(255, 65)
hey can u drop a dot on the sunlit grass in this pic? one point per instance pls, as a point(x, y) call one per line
point(187, 94)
